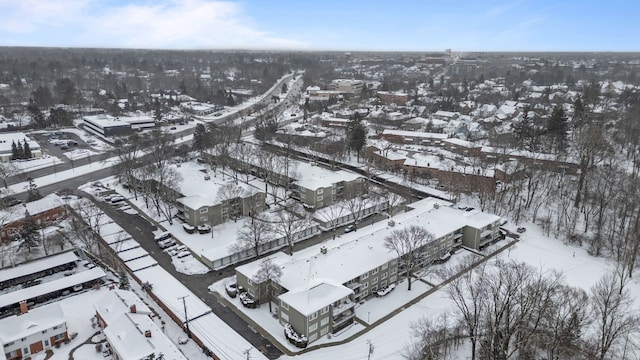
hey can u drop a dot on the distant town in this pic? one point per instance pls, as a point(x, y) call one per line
point(161, 204)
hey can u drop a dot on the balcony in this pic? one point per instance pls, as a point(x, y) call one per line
point(341, 323)
point(338, 311)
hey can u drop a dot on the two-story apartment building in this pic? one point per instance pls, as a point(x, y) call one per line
point(320, 285)
point(130, 331)
point(32, 331)
point(317, 187)
point(197, 210)
point(44, 212)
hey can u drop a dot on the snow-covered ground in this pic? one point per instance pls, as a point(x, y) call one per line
point(35, 164)
point(80, 154)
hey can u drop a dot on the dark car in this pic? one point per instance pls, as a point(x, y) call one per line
point(520, 230)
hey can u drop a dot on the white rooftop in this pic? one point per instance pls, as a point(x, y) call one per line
point(355, 253)
point(118, 302)
point(36, 320)
point(7, 138)
point(316, 297)
point(36, 266)
point(51, 286)
point(314, 177)
point(415, 134)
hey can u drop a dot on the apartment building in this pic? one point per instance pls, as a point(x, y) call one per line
point(33, 331)
point(197, 210)
point(321, 285)
point(349, 86)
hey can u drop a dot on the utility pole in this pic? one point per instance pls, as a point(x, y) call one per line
point(186, 318)
point(370, 349)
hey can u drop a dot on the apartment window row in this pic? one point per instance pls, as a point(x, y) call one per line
point(313, 315)
point(324, 321)
point(313, 327)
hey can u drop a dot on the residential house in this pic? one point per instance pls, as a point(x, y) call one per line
point(317, 187)
point(33, 331)
point(130, 330)
point(197, 210)
point(46, 211)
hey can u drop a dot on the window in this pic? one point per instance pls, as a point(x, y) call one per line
point(324, 310)
point(204, 210)
point(59, 337)
point(374, 271)
point(284, 305)
point(313, 337)
point(324, 321)
point(203, 218)
point(324, 331)
point(384, 276)
point(384, 284)
point(12, 354)
point(320, 191)
point(46, 343)
point(313, 315)
point(25, 351)
point(225, 210)
point(365, 285)
point(393, 278)
point(284, 316)
point(365, 293)
point(320, 198)
point(364, 276)
point(393, 270)
point(9, 344)
point(375, 280)
point(313, 327)
point(44, 331)
point(55, 327)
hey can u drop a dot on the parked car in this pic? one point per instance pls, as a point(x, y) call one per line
point(162, 236)
point(183, 254)
point(350, 228)
point(231, 289)
point(78, 288)
point(520, 230)
point(165, 244)
point(248, 301)
point(203, 229)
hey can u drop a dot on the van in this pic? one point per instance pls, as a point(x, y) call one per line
point(162, 236)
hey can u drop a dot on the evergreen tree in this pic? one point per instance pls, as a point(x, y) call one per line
point(20, 151)
point(200, 138)
point(14, 150)
point(357, 135)
point(230, 100)
point(32, 191)
point(558, 128)
point(578, 112)
point(124, 280)
point(29, 234)
point(27, 150)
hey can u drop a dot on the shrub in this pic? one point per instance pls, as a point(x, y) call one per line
point(99, 347)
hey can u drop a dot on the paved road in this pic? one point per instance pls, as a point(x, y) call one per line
point(141, 230)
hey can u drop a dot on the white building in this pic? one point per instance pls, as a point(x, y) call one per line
point(32, 331)
point(6, 139)
point(130, 330)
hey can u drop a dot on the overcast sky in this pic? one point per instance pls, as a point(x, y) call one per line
point(415, 25)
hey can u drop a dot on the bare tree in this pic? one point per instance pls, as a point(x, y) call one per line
point(164, 196)
point(613, 316)
point(229, 194)
point(468, 294)
point(268, 274)
point(253, 235)
point(290, 224)
point(331, 215)
point(411, 246)
point(129, 154)
point(564, 322)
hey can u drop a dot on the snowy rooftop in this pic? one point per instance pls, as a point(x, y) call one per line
point(416, 134)
point(463, 143)
point(194, 183)
point(51, 286)
point(35, 321)
point(196, 202)
point(354, 253)
point(118, 302)
point(48, 202)
point(316, 297)
point(37, 265)
point(314, 177)
point(6, 139)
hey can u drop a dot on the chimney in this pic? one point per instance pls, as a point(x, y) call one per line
point(23, 307)
point(133, 308)
point(147, 333)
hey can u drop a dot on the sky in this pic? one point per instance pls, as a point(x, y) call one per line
point(348, 25)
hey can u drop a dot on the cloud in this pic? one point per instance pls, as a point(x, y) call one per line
point(182, 24)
